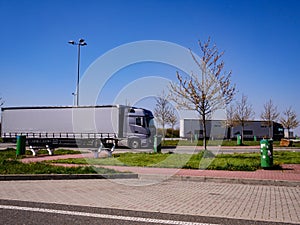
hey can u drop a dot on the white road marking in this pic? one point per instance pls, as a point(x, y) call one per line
point(103, 216)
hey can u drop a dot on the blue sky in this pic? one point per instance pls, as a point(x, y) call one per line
point(261, 40)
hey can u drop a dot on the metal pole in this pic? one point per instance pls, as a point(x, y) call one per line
point(74, 99)
point(81, 42)
point(78, 75)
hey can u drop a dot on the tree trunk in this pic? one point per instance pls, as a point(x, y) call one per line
point(228, 133)
point(242, 134)
point(204, 132)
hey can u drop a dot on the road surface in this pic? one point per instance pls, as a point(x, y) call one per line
point(31, 213)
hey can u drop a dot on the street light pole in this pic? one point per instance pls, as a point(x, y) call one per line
point(80, 43)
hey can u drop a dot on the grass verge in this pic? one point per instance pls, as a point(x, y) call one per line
point(203, 160)
point(9, 164)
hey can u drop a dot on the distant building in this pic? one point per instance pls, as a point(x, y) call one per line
point(288, 134)
point(217, 129)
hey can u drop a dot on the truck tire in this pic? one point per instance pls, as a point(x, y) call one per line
point(135, 144)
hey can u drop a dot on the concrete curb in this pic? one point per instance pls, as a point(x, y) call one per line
point(16, 177)
point(284, 183)
point(149, 176)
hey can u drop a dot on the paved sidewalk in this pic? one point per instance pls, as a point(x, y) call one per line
point(238, 201)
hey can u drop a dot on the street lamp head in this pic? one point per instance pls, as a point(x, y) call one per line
point(82, 42)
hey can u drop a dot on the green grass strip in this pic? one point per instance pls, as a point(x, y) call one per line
point(9, 164)
point(202, 160)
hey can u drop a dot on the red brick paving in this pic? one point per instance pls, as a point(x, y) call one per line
point(41, 158)
point(293, 174)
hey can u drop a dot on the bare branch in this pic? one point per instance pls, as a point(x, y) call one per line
point(207, 92)
point(1, 101)
point(289, 119)
point(243, 112)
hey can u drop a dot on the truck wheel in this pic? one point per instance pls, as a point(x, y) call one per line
point(135, 143)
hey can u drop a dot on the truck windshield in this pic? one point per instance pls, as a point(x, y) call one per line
point(150, 122)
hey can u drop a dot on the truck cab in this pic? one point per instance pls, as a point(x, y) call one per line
point(141, 128)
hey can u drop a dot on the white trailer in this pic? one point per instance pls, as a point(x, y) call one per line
point(217, 129)
point(83, 125)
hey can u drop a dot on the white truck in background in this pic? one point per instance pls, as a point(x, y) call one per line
point(82, 125)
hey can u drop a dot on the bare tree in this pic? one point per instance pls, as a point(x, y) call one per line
point(243, 113)
point(208, 91)
point(1, 101)
point(162, 110)
point(172, 119)
point(269, 115)
point(289, 121)
point(230, 120)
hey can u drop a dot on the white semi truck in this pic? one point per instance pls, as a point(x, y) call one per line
point(81, 126)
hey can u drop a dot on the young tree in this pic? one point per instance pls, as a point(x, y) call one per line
point(230, 120)
point(162, 110)
point(208, 91)
point(289, 121)
point(243, 113)
point(172, 119)
point(269, 115)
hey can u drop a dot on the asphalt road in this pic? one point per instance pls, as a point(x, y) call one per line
point(31, 213)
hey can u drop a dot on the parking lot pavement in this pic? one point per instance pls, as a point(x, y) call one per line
point(239, 201)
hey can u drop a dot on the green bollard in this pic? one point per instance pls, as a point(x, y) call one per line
point(266, 156)
point(255, 139)
point(157, 144)
point(196, 137)
point(21, 145)
point(238, 140)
